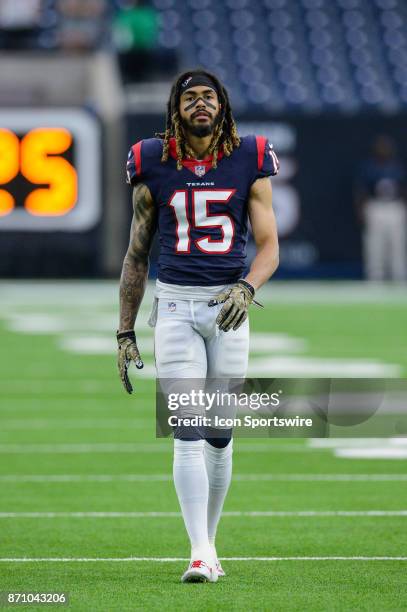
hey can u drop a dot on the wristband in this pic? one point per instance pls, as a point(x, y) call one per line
point(251, 289)
point(247, 285)
point(126, 334)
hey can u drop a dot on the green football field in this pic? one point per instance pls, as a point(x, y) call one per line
point(87, 504)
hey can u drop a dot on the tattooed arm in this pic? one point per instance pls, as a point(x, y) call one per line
point(135, 265)
point(133, 279)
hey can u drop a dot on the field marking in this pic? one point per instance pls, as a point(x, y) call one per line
point(229, 514)
point(28, 386)
point(55, 424)
point(304, 367)
point(176, 559)
point(70, 325)
point(371, 453)
point(322, 477)
point(333, 443)
point(103, 293)
point(133, 447)
point(282, 366)
point(130, 447)
point(363, 448)
point(68, 478)
point(75, 322)
point(94, 343)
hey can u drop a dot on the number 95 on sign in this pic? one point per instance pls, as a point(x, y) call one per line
point(35, 171)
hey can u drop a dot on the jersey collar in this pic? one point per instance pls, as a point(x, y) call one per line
point(192, 163)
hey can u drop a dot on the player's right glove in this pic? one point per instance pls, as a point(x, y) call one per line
point(127, 352)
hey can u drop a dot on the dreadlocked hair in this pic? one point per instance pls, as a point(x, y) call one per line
point(225, 132)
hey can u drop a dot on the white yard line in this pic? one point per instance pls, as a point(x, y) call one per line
point(130, 447)
point(322, 477)
point(100, 478)
point(356, 442)
point(74, 322)
point(55, 424)
point(371, 453)
point(29, 386)
point(61, 478)
point(94, 343)
point(229, 514)
point(176, 559)
point(134, 447)
point(363, 448)
point(314, 367)
point(284, 365)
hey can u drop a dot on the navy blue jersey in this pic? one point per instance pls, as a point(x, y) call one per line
point(383, 180)
point(202, 211)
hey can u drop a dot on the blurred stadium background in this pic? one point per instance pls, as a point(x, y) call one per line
point(321, 79)
point(82, 80)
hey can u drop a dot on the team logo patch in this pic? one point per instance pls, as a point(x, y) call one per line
point(199, 170)
point(172, 307)
point(185, 83)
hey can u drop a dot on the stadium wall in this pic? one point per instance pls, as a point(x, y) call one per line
point(320, 235)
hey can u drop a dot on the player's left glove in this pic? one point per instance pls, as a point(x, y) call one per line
point(236, 305)
point(127, 352)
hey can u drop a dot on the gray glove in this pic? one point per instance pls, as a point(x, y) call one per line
point(127, 352)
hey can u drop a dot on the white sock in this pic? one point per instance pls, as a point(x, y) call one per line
point(219, 468)
point(191, 485)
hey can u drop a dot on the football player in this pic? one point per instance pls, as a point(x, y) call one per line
point(198, 184)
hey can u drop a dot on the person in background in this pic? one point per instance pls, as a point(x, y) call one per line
point(381, 202)
point(135, 36)
point(19, 23)
point(83, 24)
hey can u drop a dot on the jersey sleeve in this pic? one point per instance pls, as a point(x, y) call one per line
point(267, 161)
point(142, 163)
point(134, 167)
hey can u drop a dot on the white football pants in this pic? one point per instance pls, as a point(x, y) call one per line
point(188, 343)
point(385, 241)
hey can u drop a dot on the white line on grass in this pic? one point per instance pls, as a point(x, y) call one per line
point(312, 367)
point(322, 477)
point(237, 513)
point(334, 443)
point(63, 424)
point(363, 448)
point(371, 453)
point(135, 447)
point(176, 559)
point(61, 478)
point(103, 293)
point(28, 386)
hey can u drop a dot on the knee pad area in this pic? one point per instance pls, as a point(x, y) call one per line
point(191, 434)
point(218, 442)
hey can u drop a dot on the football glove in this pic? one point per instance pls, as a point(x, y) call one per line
point(127, 352)
point(236, 305)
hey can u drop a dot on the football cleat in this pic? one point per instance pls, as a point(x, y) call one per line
point(218, 566)
point(219, 569)
point(199, 571)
